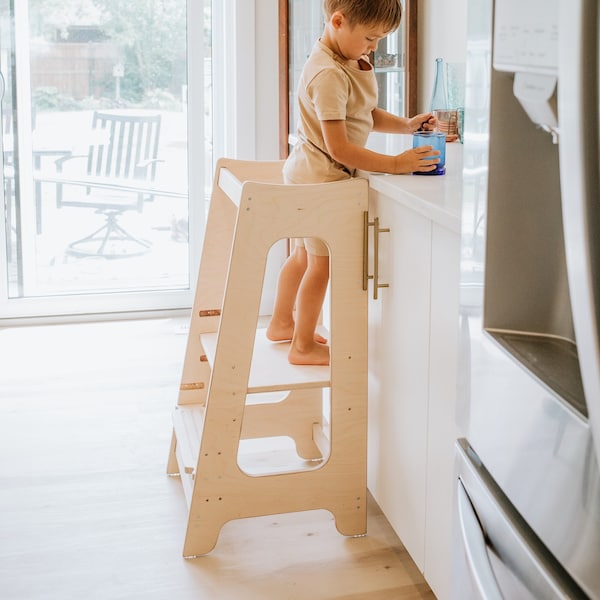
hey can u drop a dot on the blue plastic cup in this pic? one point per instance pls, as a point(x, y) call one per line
point(436, 139)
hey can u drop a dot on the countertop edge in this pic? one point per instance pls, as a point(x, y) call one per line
point(392, 188)
point(438, 199)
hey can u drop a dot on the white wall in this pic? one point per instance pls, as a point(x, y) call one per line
point(267, 80)
point(246, 88)
point(442, 33)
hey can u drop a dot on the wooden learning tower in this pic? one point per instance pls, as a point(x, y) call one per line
point(238, 387)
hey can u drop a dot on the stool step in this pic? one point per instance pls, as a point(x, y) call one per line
point(270, 370)
point(188, 423)
point(261, 456)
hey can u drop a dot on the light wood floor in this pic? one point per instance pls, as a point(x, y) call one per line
point(87, 511)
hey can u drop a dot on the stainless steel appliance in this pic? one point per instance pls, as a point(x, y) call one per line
point(528, 487)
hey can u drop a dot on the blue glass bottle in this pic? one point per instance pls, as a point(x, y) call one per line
point(439, 97)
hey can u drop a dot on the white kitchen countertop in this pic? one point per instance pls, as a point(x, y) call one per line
point(437, 197)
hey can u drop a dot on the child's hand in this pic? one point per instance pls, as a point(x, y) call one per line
point(423, 122)
point(423, 158)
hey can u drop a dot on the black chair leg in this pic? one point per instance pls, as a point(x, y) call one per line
point(102, 241)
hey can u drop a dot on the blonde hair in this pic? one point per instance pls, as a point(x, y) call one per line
point(384, 13)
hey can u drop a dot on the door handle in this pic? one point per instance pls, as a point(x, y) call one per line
point(376, 231)
point(476, 548)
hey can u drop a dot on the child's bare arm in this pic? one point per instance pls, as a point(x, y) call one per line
point(386, 122)
point(354, 156)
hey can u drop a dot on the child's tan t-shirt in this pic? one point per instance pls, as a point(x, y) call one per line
point(330, 88)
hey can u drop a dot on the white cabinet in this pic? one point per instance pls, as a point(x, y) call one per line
point(412, 380)
point(442, 430)
point(398, 372)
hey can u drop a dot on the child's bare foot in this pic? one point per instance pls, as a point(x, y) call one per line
point(284, 332)
point(280, 332)
point(315, 354)
point(320, 339)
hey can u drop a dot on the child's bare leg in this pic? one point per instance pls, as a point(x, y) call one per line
point(311, 293)
point(281, 326)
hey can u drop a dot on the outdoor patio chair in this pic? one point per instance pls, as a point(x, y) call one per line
point(116, 176)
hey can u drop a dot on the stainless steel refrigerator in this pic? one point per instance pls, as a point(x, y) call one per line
point(527, 506)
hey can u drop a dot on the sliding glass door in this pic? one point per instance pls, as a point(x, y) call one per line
point(105, 104)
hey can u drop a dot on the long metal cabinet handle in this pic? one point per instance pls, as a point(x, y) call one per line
point(376, 231)
point(579, 118)
point(475, 548)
